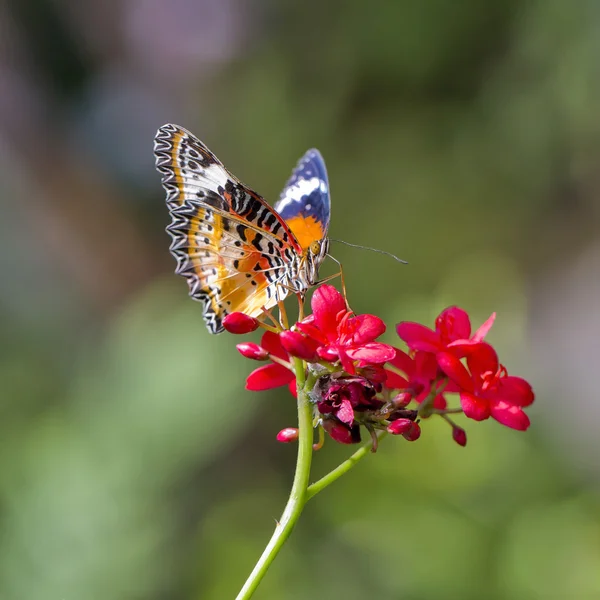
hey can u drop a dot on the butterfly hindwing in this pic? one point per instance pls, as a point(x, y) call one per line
point(230, 245)
point(223, 272)
point(304, 203)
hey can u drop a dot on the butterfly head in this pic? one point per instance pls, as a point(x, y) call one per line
point(313, 257)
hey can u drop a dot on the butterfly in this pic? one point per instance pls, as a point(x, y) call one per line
point(237, 253)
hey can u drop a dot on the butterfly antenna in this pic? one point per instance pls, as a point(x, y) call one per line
point(371, 249)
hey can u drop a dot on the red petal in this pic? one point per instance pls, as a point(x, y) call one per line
point(403, 362)
point(328, 353)
point(482, 359)
point(395, 381)
point(516, 391)
point(293, 388)
point(455, 370)
point(365, 328)
point(326, 305)
point(509, 415)
point(484, 329)
point(345, 413)
point(347, 363)
point(373, 352)
point(475, 408)
point(462, 348)
point(453, 324)
point(267, 377)
point(426, 366)
point(272, 344)
point(308, 327)
point(419, 337)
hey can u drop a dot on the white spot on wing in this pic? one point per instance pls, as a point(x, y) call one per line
point(301, 188)
point(210, 177)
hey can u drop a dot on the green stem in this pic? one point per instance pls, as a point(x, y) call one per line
point(298, 495)
point(320, 485)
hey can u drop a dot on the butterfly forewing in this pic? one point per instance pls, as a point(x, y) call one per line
point(234, 250)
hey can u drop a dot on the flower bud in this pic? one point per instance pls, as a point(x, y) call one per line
point(402, 399)
point(404, 413)
point(399, 426)
point(239, 323)
point(459, 435)
point(341, 433)
point(253, 351)
point(413, 434)
point(299, 345)
point(406, 428)
point(287, 435)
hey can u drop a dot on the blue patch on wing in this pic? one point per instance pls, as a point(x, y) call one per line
point(306, 194)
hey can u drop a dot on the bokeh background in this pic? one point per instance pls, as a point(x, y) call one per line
point(463, 136)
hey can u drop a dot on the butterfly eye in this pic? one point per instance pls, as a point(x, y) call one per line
point(315, 247)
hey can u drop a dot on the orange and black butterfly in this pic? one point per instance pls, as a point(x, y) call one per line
point(237, 253)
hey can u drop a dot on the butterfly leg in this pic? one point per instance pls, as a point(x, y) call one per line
point(276, 324)
point(301, 298)
point(283, 315)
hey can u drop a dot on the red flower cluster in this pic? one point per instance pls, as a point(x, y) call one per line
point(484, 386)
point(342, 336)
point(357, 381)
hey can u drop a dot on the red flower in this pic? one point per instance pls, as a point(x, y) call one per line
point(342, 335)
point(272, 375)
point(344, 396)
point(452, 330)
point(370, 384)
point(421, 371)
point(486, 389)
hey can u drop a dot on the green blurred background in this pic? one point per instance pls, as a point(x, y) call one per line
point(463, 136)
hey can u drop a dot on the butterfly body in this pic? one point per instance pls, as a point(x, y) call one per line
point(236, 252)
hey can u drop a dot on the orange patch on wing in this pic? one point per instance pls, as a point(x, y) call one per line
point(307, 230)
